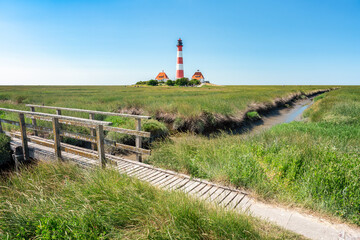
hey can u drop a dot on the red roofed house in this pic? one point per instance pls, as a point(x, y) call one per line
point(198, 75)
point(162, 77)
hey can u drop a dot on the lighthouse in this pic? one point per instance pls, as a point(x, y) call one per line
point(179, 64)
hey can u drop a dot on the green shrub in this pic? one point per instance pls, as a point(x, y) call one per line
point(142, 83)
point(156, 128)
point(253, 115)
point(182, 82)
point(170, 82)
point(20, 99)
point(317, 98)
point(194, 82)
point(152, 82)
point(5, 151)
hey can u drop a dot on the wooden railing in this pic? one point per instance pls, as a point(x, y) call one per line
point(137, 132)
point(57, 119)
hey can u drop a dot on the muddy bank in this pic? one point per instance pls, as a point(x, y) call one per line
point(207, 122)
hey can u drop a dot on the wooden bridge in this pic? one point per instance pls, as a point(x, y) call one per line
point(33, 146)
point(27, 144)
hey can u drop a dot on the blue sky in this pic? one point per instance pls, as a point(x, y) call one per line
point(231, 42)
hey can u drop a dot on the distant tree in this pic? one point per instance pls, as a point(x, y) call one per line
point(170, 82)
point(152, 82)
point(182, 82)
point(141, 83)
point(194, 82)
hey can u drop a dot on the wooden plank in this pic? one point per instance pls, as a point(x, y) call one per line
point(24, 140)
point(215, 194)
point(125, 166)
point(222, 196)
point(93, 131)
point(127, 131)
point(150, 176)
point(155, 176)
point(166, 176)
point(137, 171)
point(186, 185)
point(100, 145)
point(164, 180)
point(131, 169)
point(91, 111)
point(242, 203)
point(10, 122)
point(79, 136)
point(189, 188)
point(199, 188)
point(64, 118)
point(209, 191)
point(227, 201)
point(69, 122)
point(138, 140)
point(178, 183)
point(56, 132)
point(145, 173)
point(121, 163)
point(33, 121)
point(170, 181)
point(195, 189)
point(133, 149)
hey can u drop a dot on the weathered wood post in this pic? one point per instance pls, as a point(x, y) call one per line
point(56, 132)
point(58, 112)
point(92, 131)
point(24, 141)
point(100, 144)
point(1, 129)
point(33, 121)
point(138, 140)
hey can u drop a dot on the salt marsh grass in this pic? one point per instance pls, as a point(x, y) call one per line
point(314, 164)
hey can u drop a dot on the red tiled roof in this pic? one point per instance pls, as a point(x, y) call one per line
point(162, 76)
point(198, 76)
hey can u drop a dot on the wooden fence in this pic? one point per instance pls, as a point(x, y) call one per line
point(97, 129)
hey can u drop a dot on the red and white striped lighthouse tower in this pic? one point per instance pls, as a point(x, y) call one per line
point(179, 65)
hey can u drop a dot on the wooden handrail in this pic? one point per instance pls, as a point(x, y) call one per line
point(60, 117)
point(90, 111)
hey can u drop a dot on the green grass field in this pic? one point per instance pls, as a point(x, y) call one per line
point(62, 201)
point(314, 164)
point(181, 101)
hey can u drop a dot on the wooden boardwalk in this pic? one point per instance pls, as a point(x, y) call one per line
point(211, 192)
point(230, 198)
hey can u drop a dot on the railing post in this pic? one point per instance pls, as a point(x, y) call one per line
point(33, 121)
point(24, 141)
point(56, 132)
point(92, 131)
point(58, 112)
point(1, 129)
point(100, 145)
point(138, 140)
